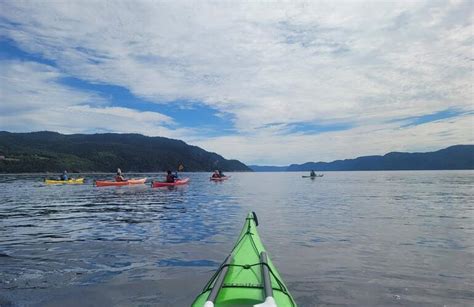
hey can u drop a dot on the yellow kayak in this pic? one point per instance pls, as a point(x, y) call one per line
point(69, 181)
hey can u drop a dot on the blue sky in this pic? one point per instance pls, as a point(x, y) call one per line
point(266, 83)
point(185, 113)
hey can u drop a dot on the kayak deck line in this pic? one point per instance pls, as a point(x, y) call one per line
point(281, 288)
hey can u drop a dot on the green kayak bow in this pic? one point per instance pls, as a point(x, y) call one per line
point(247, 277)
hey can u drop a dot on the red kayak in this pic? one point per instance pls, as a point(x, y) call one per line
point(157, 184)
point(219, 178)
point(106, 183)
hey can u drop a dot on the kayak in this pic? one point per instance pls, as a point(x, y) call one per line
point(313, 176)
point(247, 277)
point(158, 184)
point(69, 181)
point(106, 183)
point(219, 178)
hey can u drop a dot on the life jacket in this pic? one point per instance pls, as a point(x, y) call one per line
point(119, 178)
point(170, 178)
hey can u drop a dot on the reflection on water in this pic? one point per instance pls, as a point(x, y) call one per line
point(348, 238)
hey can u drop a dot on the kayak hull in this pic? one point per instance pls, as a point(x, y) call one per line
point(70, 181)
point(106, 183)
point(219, 179)
point(160, 184)
point(312, 176)
point(240, 280)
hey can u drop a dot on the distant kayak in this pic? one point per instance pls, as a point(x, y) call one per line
point(106, 183)
point(158, 184)
point(320, 175)
point(247, 277)
point(69, 181)
point(219, 178)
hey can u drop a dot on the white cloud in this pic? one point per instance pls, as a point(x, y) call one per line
point(364, 63)
point(265, 149)
point(28, 86)
point(32, 99)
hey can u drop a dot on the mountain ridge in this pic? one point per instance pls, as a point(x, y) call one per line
point(46, 151)
point(454, 157)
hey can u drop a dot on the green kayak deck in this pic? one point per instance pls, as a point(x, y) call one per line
point(247, 277)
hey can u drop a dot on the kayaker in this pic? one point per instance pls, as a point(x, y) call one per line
point(221, 174)
point(216, 174)
point(170, 177)
point(63, 176)
point(119, 177)
point(312, 174)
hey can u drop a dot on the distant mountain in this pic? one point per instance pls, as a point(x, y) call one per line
point(451, 158)
point(54, 152)
point(262, 168)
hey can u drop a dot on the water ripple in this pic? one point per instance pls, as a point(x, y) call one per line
point(348, 238)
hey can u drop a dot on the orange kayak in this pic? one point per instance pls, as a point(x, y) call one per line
point(158, 184)
point(106, 183)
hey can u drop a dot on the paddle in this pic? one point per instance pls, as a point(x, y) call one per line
point(180, 168)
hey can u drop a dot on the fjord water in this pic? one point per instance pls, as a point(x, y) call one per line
point(349, 238)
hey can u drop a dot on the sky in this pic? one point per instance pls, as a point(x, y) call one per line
point(268, 83)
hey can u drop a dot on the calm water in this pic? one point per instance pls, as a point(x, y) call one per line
point(348, 238)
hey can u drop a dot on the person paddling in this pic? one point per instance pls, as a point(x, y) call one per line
point(170, 177)
point(312, 174)
point(119, 177)
point(216, 174)
point(64, 176)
